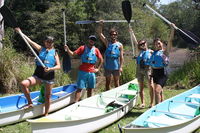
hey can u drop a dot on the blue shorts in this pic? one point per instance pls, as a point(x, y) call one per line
point(86, 80)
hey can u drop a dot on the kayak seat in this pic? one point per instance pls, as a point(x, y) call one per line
point(194, 96)
point(163, 120)
point(178, 114)
point(60, 94)
point(187, 103)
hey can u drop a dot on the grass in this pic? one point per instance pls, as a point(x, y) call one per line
point(24, 127)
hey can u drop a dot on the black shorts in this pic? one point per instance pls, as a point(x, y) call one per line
point(159, 76)
point(40, 73)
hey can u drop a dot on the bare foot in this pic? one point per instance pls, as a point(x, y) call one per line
point(142, 106)
point(27, 106)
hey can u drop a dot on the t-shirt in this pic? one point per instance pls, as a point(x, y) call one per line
point(87, 67)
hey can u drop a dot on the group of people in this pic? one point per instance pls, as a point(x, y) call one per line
point(92, 60)
point(151, 64)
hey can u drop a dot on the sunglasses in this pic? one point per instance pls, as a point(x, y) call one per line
point(113, 34)
point(143, 43)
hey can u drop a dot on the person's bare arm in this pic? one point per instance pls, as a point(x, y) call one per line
point(100, 33)
point(71, 53)
point(134, 41)
point(121, 58)
point(171, 37)
point(99, 65)
point(56, 67)
point(34, 44)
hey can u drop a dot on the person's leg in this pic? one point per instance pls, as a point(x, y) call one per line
point(89, 92)
point(48, 89)
point(141, 85)
point(116, 80)
point(158, 90)
point(108, 80)
point(81, 84)
point(25, 88)
point(151, 92)
point(162, 96)
point(78, 95)
point(91, 84)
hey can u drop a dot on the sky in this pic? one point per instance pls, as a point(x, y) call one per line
point(165, 2)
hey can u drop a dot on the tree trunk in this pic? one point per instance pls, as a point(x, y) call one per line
point(1, 25)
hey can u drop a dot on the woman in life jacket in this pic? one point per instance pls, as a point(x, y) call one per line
point(86, 75)
point(113, 56)
point(159, 61)
point(50, 59)
point(143, 69)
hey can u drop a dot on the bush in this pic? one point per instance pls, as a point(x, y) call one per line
point(129, 70)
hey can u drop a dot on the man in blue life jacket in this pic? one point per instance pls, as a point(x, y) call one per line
point(86, 75)
point(113, 56)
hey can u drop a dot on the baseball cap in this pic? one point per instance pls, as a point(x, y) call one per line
point(92, 37)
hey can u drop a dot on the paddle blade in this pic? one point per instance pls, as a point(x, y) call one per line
point(8, 17)
point(127, 11)
point(66, 62)
point(193, 39)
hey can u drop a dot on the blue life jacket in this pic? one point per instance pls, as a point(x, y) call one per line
point(89, 55)
point(112, 54)
point(159, 59)
point(113, 50)
point(47, 57)
point(145, 56)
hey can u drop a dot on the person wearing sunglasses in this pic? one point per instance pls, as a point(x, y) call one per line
point(113, 56)
point(159, 62)
point(86, 75)
point(50, 59)
point(143, 69)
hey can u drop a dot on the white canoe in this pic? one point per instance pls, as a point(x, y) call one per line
point(11, 110)
point(90, 114)
point(179, 114)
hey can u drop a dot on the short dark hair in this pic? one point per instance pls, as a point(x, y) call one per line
point(113, 30)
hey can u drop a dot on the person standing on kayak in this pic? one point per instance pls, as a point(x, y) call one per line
point(86, 75)
point(50, 58)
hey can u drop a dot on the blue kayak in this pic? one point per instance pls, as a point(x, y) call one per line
point(12, 111)
point(178, 114)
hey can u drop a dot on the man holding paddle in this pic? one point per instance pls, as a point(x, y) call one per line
point(113, 56)
point(86, 75)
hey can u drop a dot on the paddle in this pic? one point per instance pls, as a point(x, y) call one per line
point(66, 63)
point(10, 20)
point(186, 35)
point(105, 21)
point(127, 11)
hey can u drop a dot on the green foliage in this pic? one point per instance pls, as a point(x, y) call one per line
point(129, 70)
point(187, 76)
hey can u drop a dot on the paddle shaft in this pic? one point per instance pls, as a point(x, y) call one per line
point(22, 35)
point(168, 22)
point(133, 47)
point(105, 21)
point(64, 27)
